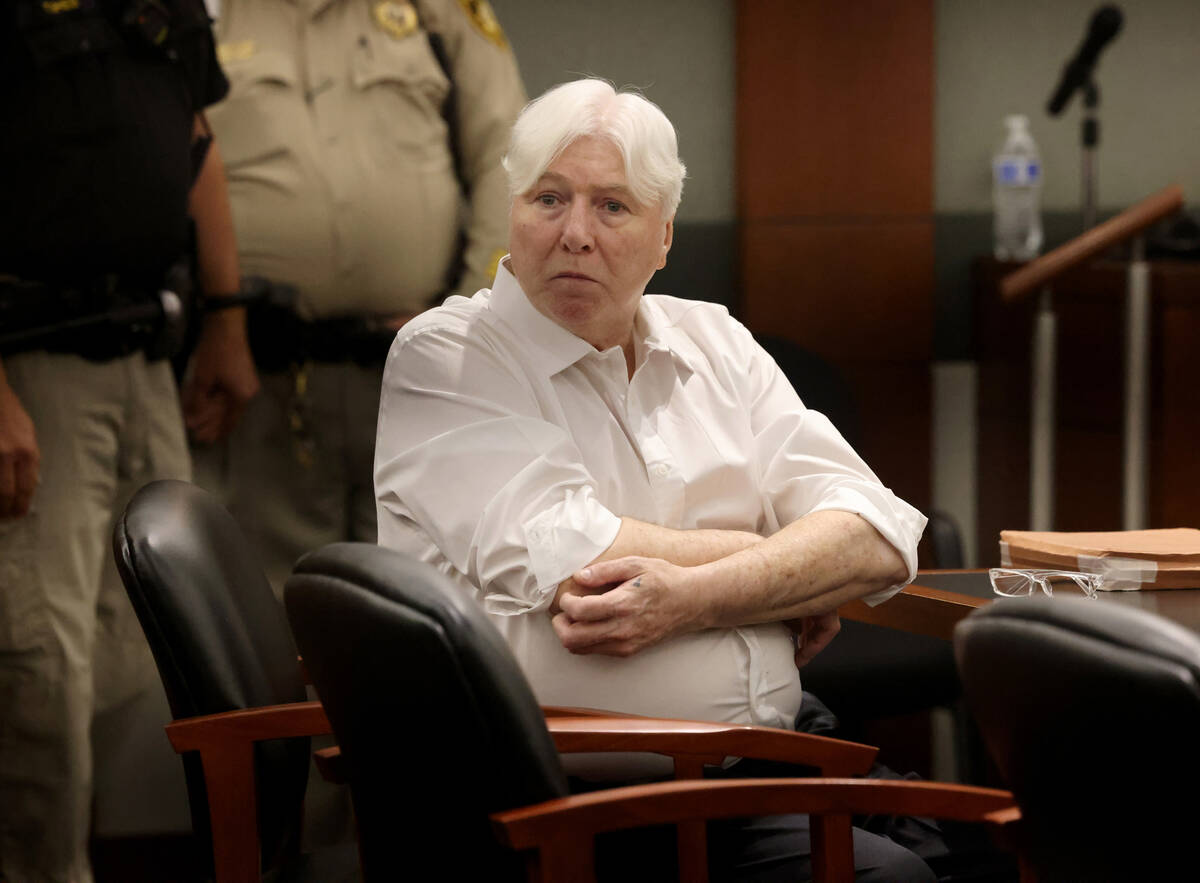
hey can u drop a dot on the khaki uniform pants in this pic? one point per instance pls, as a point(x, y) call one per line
point(70, 644)
point(295, 488)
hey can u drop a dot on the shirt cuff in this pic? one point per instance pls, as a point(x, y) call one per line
point(897, 522)
point(559, 541)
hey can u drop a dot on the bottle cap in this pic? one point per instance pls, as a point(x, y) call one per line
point(1016, 121)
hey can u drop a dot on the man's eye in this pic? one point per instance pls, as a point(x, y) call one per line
point(547, 199)
point(612, 206)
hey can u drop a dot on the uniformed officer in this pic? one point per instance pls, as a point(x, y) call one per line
point(101, 163)
point(362, 142)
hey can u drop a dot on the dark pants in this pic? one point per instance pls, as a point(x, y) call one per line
point(777, 849)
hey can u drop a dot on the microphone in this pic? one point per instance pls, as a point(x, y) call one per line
point(1105, 24)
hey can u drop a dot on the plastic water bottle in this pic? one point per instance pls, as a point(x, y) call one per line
point(1016, 194)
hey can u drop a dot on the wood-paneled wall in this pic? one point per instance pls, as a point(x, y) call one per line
point(835, 203)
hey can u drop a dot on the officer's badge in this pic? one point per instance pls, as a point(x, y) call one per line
point(481, 15)
point(398, 18)
point(58, 7)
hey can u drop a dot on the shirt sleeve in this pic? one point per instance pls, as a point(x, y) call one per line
point(806, 466)
point(198, 55)
point(488, 96)
point(464, 457)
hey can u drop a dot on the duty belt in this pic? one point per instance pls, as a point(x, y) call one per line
point(102, 319)
point(280, 338)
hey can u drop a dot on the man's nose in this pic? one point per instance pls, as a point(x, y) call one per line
point(577, 229)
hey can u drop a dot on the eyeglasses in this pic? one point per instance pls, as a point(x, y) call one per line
point(1013, 583)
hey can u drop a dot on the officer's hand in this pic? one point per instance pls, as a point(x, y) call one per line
point(813, 634)
point(220, 380)
point(19, 455)
point(647, 603)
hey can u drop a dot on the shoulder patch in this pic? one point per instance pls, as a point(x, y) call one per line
point(481, 15)
point(494, 263)
point(397, 18)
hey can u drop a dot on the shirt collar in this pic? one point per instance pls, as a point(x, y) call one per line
point(553, 347)
point(653, 328)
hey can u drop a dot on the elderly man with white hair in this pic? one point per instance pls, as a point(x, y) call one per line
point(626, 482)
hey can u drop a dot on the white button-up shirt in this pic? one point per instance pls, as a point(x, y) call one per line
point(508, 448)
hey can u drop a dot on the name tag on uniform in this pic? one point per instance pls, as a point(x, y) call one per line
point(238, 50)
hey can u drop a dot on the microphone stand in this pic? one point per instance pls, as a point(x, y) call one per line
point(1091, 138)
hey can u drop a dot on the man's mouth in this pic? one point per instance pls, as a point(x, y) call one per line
point(570, 275)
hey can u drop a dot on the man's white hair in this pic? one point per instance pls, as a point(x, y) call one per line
point(592, 107)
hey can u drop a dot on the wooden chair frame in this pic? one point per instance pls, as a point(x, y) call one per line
point(559, 834)
point(225, 743)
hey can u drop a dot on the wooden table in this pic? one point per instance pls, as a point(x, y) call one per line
point(938, 599)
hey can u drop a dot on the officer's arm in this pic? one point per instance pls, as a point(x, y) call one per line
point(19, 454)
point(221, 378)
point(216, 245)
point(489, 97)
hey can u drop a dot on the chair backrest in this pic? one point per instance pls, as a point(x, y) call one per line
point(436, 723)
point(1091, 711)
point(945, 541)
point(822, 387)
point(219, 637)
point(819, 384)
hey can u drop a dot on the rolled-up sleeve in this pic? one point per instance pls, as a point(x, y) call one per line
point(806, 466)
point(464, 456)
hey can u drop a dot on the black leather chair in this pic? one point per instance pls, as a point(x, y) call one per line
point(232, 677)
point(450, 759)
point(1091, 712)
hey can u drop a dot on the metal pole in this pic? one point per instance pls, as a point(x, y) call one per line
point(1088, 187)
point(1090, 137)
point(1041, 436)
point(1137, 388)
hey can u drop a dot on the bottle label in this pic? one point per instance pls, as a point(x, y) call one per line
point(1016, 171)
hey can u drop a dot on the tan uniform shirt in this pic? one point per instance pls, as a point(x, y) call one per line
point(340, 169)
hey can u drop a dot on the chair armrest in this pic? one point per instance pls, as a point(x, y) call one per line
point(562, 830)
point(696, 741)
point(693, 743)
point(572, 711)
point(226, 745)
point(249, 725)
point(329, 764)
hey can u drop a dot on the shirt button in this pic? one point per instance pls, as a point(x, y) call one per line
point(662, 470)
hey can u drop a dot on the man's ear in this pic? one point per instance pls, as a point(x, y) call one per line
point(670, 233)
